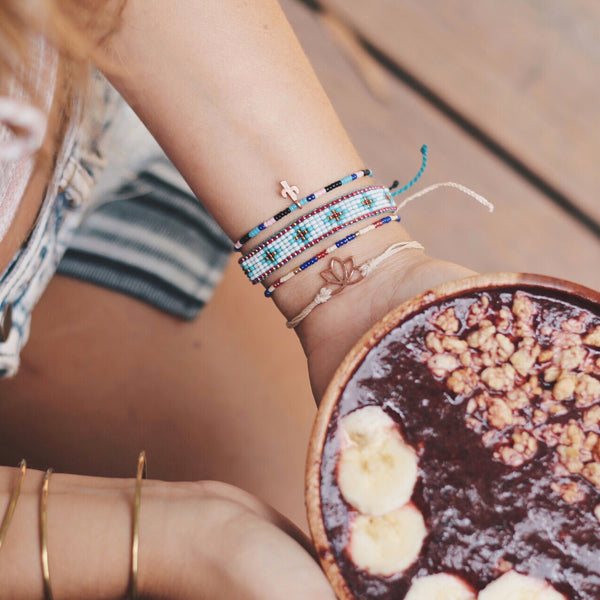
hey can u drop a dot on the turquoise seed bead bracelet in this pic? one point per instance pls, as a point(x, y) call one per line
point(313, 227)
point(319, 239)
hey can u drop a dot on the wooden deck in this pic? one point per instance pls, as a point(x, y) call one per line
point(486, 126)
point(523, 74)
point(505, 96)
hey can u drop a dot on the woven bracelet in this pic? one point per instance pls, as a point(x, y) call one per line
point(313, 228)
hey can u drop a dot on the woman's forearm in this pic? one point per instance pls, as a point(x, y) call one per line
point(197, 540)
point(227, 90)
point(89, 524)
point(89, 536)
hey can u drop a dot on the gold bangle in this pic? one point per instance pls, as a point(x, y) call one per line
point(135, 535)
point(44, 534)
point(13, 502)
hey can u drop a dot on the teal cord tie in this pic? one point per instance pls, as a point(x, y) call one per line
point(415, 178)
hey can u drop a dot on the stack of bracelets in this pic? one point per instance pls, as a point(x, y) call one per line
point(317, 225)
point(43, 523)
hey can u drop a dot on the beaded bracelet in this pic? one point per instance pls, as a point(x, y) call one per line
point(313, 228)
point(269, 291)
point(371, 191)
point(290, 209)
point(319, 239)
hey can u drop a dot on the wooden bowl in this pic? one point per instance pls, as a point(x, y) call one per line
point(446, 291)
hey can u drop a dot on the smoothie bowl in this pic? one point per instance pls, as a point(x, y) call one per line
point(456, 452)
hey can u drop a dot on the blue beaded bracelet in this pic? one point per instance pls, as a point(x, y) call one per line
point(313, 227)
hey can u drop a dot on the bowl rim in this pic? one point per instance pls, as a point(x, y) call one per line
point(354, 358)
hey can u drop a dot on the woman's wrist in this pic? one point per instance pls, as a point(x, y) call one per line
point(88, 532)
point(89, 536)
point(195, 539)
point(372, 290)
point(330, 331)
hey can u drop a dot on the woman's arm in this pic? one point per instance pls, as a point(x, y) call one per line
point(228, 92)
point(206, 541)
point(89, 525)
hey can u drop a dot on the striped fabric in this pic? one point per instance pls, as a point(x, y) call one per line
point(151, 240)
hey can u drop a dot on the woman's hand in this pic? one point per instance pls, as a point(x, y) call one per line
point(224, 544)
point(197, 541)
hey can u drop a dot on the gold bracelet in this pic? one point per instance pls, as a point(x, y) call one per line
point(44, 534)
point(13, 502)
point(135, 537)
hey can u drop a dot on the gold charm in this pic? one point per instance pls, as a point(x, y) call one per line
point(292, 192)
point(342, 273)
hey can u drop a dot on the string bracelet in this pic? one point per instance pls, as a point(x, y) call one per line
point(343, 273)
point(12, 504)
point(415, 178)
point(44, 534)
point(434, 187)
point(314, 227)
point(290, 209)
point(349, 238)
point(451, 184)
point(135, 530)
point(347, 274)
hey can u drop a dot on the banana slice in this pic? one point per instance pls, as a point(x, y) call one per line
point(440, 587)
point(377, 471)
point(387, 544)
point(513, 586)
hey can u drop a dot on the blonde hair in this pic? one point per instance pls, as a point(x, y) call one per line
point(76, 29)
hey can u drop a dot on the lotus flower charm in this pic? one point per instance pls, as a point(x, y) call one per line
point(342, 273)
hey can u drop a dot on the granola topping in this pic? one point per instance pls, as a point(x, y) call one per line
point(499, 393)
point(522, 388)
point(593, 337)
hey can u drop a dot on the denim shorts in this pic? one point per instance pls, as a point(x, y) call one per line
point(118, 215)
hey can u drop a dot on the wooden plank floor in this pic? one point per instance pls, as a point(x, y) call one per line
point(527, 231)
point(525, 73)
